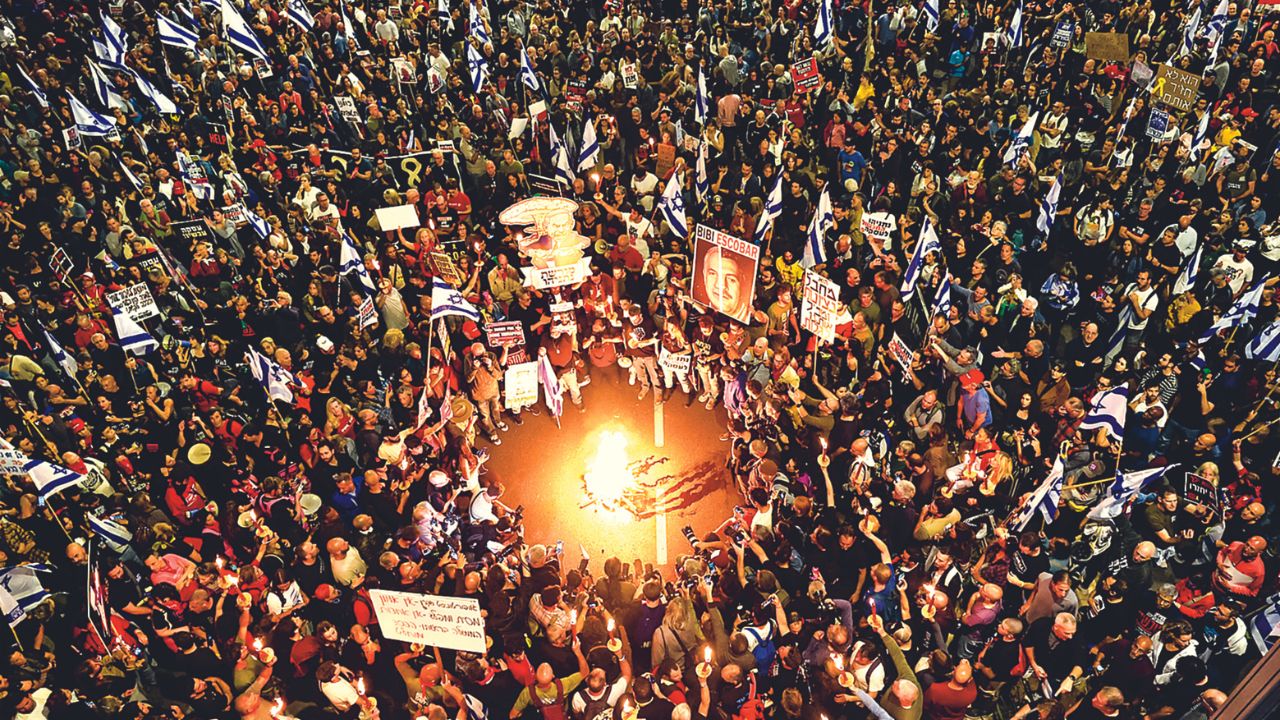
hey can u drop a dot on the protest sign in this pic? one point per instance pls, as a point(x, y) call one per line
point(630, 78)
point(557, 276)
point(677, 363)
point(397, 217)
point(521, 385)
point(368, 313)
point(666, 160)
point(347, 108)
point(193, 231)
point(262, 68)
point(235, 213)
point(448, 622)
point(135, 301)
point(724, 272)
point(1107, 45)
point(71, 139)
point(819, 305)
point(879, 226)
point(1062, 34)
point(1157, 124)
point(901, 353)
point(60, 264)
point(805, 76)
point(1201, 491)
point(13, 462)
point(504, 334)
point(442, 266)
point(1176, 88)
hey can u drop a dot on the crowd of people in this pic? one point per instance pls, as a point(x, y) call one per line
point(1027, 478)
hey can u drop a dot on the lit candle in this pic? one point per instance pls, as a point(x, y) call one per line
point(218, 562)
point(704, 668)
point(277, 707)
point(595, 178)
point(257, 645)
point(872, 604)
point(823, 442)
point(929, 592)
point(609, 626)
point(614, 643)
point(360, 686)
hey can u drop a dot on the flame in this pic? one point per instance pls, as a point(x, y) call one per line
point(610, 626)
point(838, 661)
point(277, 707)
point(218, 562)
point(607, 477)
point(257, 644)
point(360, 685)
point(706, 655)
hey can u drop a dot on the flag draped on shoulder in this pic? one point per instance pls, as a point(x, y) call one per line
point(1109, 411)
point(1021, 144)
point(1190, 273)
point(274, 379)
point(446, 300)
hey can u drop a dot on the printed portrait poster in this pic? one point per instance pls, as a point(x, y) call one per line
point(724, 273)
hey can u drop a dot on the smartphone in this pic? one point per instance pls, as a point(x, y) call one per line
point(559, 548)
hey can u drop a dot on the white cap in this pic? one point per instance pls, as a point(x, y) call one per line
point(324, 343)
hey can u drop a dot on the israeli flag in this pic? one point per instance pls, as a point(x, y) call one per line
point(477, 26)
point(60, 356)
point(815, 246)
point(133, 337)
point(1043, 501)
point(479, 68)
point(702, 108)
point(772, 209)
point(1188, 43)
point(13, 612)
point(1109, 411)
point(1125, 117)
point(35, 89)
point(22, 584)
point(927, 242)
point(238, 32)
point(116, 536)
point(259, 225)
point(1015, 27)
point(942, 298)
point(1049, 207)
point(672, 206)
point(1022, 143)
point(1217, 22)
point(1265, 346)
point(1190, 273)
point(300, 15)
point(1202, 132)
point(87, 121)
point(560, 158)
point(550, 384)
point(1124, 488)
point(348, 27)
point(350, 261)
point(443, 14)
point(932, 14)
point(171, 33)
point(1241, 311)
point(589, 155)
point(117, 42)
point(185, 11)
point(824, 27)
point(446, 300)
point(527, 75)
point(51, 479)
point(274, 379)
point(702, 183)
point(105, 89)
point(152, 93)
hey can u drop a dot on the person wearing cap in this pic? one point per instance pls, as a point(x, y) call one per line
point(484, 373)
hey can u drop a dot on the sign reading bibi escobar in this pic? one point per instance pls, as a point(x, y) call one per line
point(724, 273)
point(446, 622)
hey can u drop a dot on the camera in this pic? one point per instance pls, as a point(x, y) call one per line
point(687, 531)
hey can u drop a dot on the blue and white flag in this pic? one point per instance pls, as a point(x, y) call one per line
point(478, 66)
point(824, 27)
point(1022, 143)
point(1044, 500)
point(1265, 346)
point(702, 106)
point(563, 171)
point(1124, 488)
point(256, 222)
point(9, 607)
point(1125, 117)
point(443, 15)
point(772, 209)
point(1241, 311)
point(298, 13)
point(701, 182)
point(672, 206)
point(117, 42)
point(932, 14)
point(239, 34)
point(133, 337)
point(1217, 22)
point(550, 384)
point(1190, 273)
point(1189, 31)
point(105, 89)
point(927, 242)
point(1109, 412)
point(159, 99)
point(51, 479)
point(171, 33)
point(527, 75)
point(22, 584)
point(351, 261)
point(274, 379)
point(589, 155)
point(446, 300)
point(1049, 206)
point(61, 357)
point(35, 89)
point(942, 298)
point(116, 536)
point(1015, 27)
point(184, 10)
point(89, 122)
point(1202, 132)
point(348, 27)
point(815, 244)
point(477, 25)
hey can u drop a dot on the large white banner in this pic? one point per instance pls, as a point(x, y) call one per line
point(435, 620)
point(135, 301)
point(556, 275)
point(820, 306)
point(521, 385)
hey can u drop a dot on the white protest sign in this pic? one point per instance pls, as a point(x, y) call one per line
point(880, 226)
point(818, 308)
point(134, 301)
point(397, 217)
point(678, 364)
point(13, 462)
point(435, 620)
point(630, 78)
point(522, 385)
point(556, 276)
point(368, 313)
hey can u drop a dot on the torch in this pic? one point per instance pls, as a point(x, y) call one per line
point(704, 668)
point(265, 654)
point(614, 643)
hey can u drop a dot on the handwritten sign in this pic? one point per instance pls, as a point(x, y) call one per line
point(1176, 88)
point(446, 622)
point(676, 363)
point(666, 160)
point(134, 301)
point(879, 226)
point(819, 305)
point(1107, 45)
point(521, 389)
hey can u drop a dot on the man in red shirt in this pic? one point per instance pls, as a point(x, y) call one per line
point(1241, 571)
point(949, 700)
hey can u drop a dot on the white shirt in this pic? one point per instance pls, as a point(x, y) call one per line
point(1143, 406)
point(1239, 274)
point(1148, 299)
point(1053, 122)
point(1184, 239)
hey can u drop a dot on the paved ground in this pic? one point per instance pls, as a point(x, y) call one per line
point(542, 468)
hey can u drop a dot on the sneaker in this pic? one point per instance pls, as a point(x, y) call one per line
point(503, 426)
point(495, 439)
point(643, 393)
point(702, 398)
point(711, 403)
point(517, 419)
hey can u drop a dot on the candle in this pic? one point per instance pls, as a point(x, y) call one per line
point(595, 178)
point(218, 562)
point(872, 604)
point(614, 643)
point(706, 655)
point(257, 645)
point(609, 626)
point(704, 668)
point(838, 661)
point(823, 442)
point(277, 707)
point(360, 686)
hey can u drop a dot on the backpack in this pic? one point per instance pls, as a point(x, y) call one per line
point(766, 650)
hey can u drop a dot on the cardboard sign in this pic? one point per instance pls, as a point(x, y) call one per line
point(442, 267)
point(818, 307)
point(135, 301)
point(447, 622)
point(397, 217)
point(678, 364)
point(71, 139)
point(347, 108)
point(805, 76)
point(1176, 88)
point(1157, 124)
point(1107, 46)
point(666, 160)
point(1199, 490)
point(724, 273)
point(504, 334)
point(521, 382)
point(630, 78)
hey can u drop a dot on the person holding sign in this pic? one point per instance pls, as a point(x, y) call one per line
point(723, 277)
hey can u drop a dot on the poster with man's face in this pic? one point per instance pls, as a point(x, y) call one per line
point(724, 273)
